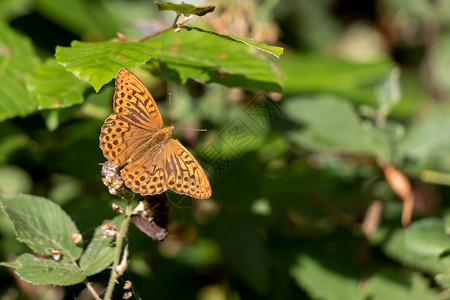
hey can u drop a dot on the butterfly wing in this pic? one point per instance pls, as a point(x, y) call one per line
point(183, 173)
point(136, 117)
point(134, 104)
point(145, 176)
point(119, 140)
point(167, 166)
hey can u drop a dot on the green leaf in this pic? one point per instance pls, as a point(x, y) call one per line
point(13, 8)
point(246, 254)
point(100, 252)
point(14, 180)
point(328, 123)
point(98, 105)
point(427, 237)
point(89, 19)
point(443, 280)
point(208, 58)
point(275, 51)
point(46, 271)
point(12, 140)
point(99, 62)
point(202, 252)
point(388, 94)
point(397, 248)
point(52, 86)
point(185, 9)
point(447, 223)
point(312, 275)
point(51, 118)
point(392, 284)
point(427, 141)
point(438, 64)
point(42, 225)
point(18, 59)
point(317, 73)
point(65, 188)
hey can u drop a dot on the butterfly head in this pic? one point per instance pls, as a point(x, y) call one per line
point(163, 135)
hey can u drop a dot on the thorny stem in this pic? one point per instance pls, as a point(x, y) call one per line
point(119, 241)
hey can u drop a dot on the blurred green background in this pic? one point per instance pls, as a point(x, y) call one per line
point(293, 168)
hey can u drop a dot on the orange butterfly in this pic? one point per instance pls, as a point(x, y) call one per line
point(133, 137)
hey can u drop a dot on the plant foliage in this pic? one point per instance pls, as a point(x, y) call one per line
point(329, 163)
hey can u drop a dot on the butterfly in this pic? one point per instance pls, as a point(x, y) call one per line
point(133, 138)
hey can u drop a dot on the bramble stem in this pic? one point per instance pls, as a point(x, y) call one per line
point(119, 241)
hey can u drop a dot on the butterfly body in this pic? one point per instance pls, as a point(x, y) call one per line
point(134, 138)
point(158, 139)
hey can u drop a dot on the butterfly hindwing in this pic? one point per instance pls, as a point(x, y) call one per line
point(145, 176)
point(183, 173)
point(167, 166)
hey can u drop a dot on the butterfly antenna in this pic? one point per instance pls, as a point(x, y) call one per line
point(193, 129)
point(170, 107)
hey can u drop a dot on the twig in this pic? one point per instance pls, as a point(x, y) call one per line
point(176, 20)
point(91, 289)
point(148, 36)
point(176, 23)
point(119, 241)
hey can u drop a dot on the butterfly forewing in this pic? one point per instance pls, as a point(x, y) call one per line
point(119, 140)
point(134, 103)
